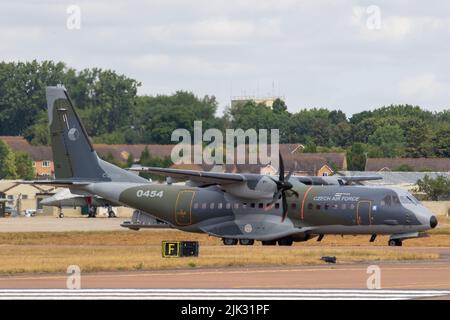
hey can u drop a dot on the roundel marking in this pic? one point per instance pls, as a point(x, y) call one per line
point(73, 134)
point(248, 228)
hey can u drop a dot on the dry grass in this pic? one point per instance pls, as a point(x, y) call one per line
point(130, 250)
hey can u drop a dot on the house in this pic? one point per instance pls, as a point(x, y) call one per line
point(415, 164)
point(305, 163)
point(41, 155)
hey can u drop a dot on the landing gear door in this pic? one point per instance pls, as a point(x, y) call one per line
point(183, 208)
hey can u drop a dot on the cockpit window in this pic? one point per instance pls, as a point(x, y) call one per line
point(412, 199)
point(405, 200)
point(395, 200)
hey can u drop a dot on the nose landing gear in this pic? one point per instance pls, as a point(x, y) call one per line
point(395, 243)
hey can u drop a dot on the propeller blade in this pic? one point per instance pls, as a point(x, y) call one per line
point(285, 207)
point(276, 196)
point(289, 174)
point(281, 167)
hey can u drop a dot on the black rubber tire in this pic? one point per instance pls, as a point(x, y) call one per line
point(395, 243)
point(61, 215)
point(111, 214)
point(229, 241)
point(269, 243)
point(285, 242)
point(246, 242)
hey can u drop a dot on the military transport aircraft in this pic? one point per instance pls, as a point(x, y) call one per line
point(236, 207)
point(66, 199)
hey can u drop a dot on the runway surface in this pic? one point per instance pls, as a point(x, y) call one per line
point(219, 294)
point(404, 276)
point(53, 224)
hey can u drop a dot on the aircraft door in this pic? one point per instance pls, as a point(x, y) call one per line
point(364, 213)
point(183, 208)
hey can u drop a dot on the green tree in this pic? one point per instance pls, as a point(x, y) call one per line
point(147, 160)
point(279, 106)
point(356, 157)
point(418, 139)
point(436, 188)
point(390, 139)
point(24, 165)
point(130, 160)
point(7, 162)
point(110, 158)
point(310, 147)
point(441, 142)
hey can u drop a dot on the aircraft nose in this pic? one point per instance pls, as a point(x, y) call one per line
point(433, 222)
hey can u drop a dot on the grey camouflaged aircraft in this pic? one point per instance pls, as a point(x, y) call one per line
point(235, 207)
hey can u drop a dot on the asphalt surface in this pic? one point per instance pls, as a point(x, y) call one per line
point(412, 275)
point(405, 276)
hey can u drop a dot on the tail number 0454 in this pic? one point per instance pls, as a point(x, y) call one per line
point(150, 194)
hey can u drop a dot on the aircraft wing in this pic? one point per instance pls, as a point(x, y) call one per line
point(57, 182)
point(360, 178)
point(193, 175)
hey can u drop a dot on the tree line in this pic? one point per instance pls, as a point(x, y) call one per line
point(113, 112)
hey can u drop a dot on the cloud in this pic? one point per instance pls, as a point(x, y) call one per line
point(423, 86)
point(394, 28)
point(319, 53)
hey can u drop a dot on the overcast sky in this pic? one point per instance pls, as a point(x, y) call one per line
point(333, 54)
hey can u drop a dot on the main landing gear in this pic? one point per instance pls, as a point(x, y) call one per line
point(250, 242)
point(111, 213)
point(242, 242)
point(395, 243)
point(230, 242)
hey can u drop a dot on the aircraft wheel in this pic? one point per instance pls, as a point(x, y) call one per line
point(395, 243)
point(111, 214)
point(285, 242)
point(269, 243)
point(229, 241)
point(246, 242)
point(61, 215)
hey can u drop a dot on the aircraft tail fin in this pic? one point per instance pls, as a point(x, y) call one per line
point(74, 156)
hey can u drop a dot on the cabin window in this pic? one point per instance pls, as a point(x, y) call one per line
point(294, 205)
point(352, 206)
point(196, 205)
point(261, 205)
point(211, 205)
point(219, 205)
point(344, 206)
point(203, 205)
point(334, 206)
point(318, 206)
point(228, 206)
point(277, 205)
point(252, 205)
point(327, 206)
point(387, 201)
point(310, 206)
point(244, 206)
point(236, 205)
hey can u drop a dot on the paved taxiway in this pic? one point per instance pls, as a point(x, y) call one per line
point(53, 224)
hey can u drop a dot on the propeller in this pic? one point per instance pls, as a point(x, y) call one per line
point(283, 185)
